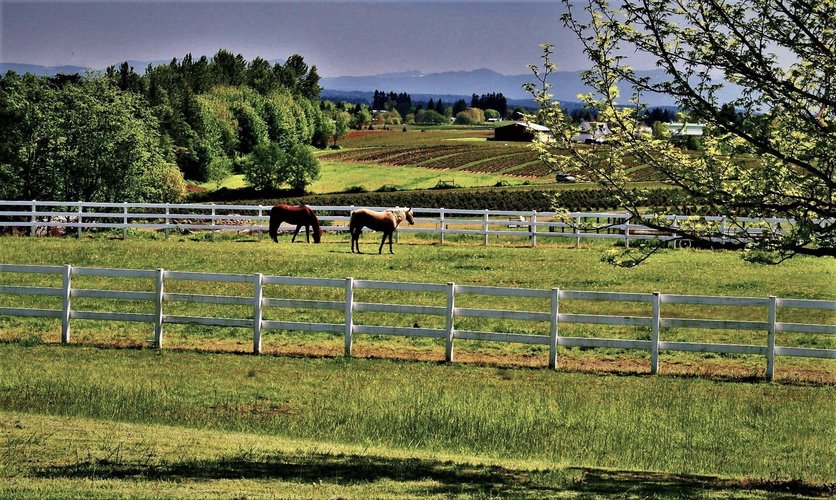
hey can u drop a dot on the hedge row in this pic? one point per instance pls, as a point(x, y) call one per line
point(500, 198)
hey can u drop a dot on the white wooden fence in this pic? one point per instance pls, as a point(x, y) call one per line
point(447, 294)
point(441, 222)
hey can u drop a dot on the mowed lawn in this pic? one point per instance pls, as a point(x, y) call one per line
point(91, 419)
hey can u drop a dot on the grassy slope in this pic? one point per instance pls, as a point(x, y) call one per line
point(357, 428)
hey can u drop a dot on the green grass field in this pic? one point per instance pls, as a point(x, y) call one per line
point(95, 419)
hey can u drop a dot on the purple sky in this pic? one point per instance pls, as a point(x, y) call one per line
point(341, 37)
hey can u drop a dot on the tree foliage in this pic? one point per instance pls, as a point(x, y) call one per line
point(774, 157)
point(86, 141)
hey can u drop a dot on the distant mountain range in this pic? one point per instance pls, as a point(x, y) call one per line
point(566, 85)
point(449, 85)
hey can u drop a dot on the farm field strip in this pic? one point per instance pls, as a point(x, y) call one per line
point(501, 163)
point(445, 157)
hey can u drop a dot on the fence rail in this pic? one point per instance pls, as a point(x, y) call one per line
point(36, 216)
point(446, 294)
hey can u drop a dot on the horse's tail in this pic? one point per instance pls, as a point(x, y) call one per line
point(275, 221)
point(352, 223)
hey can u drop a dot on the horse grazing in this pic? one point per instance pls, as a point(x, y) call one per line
point(301, 215)
point(386, 222)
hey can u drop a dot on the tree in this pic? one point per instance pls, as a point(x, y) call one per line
point(267, 167)
point(260, 76)
point(439, 107)
point(429, 117)
point(470, 116)
point(362, 117)
point(459, 106)
point(84, 140)
point(775, 157)
point(341, 122)
point(229, 69)
point(303, 167)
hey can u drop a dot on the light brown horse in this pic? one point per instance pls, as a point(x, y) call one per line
point(301, 215)
point(386, 222)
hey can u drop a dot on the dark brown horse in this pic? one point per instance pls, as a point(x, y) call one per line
point(386, 222)
point(301, 215)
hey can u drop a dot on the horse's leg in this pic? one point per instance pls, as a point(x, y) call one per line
point(380, 250)
point(307, 234)
point(275, 223)
point(355, 239)
point(390, 243)
point(298, 227)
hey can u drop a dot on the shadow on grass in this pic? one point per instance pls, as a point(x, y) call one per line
point(430, 476)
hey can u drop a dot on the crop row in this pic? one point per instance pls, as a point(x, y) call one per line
point(462, 158)
point(411, 138)
point(535, 168)
point(644, 173)
point(500, 163)
point(424, 155)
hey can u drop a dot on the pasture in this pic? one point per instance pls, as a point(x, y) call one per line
point(197, 419)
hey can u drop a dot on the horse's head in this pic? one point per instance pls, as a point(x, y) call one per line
point(409, 217)
point(317, 233)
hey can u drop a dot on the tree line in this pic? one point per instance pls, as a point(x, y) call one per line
point(122, 136)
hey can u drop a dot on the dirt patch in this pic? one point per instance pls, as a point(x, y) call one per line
point(715, 369)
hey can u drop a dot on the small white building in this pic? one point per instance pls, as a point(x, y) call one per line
point(679, 129)
point(592, 133)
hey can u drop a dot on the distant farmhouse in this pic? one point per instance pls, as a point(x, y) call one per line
point(592, 132)
point(519, 131)
point(685, 129)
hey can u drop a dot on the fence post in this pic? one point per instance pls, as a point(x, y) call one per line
point(158, 309)
point(260, 215)
point(167, 212)
point(485, 222)
point(125, 220)
point(349, 315)
point(65, 307)
point(627, 234)
point(451, 305)
point(654, 333)
point(441, 225)
point(770, 339)
point(675, 225)
point(34, 218)
point(532, 227)
point(578, 231)
point(213, 222)
point(257, 296)
point(554, 330)
point(80, 211)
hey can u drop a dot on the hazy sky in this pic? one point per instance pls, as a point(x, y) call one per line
point(341, 37)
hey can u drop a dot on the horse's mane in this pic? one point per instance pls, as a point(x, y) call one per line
point(314, 221)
